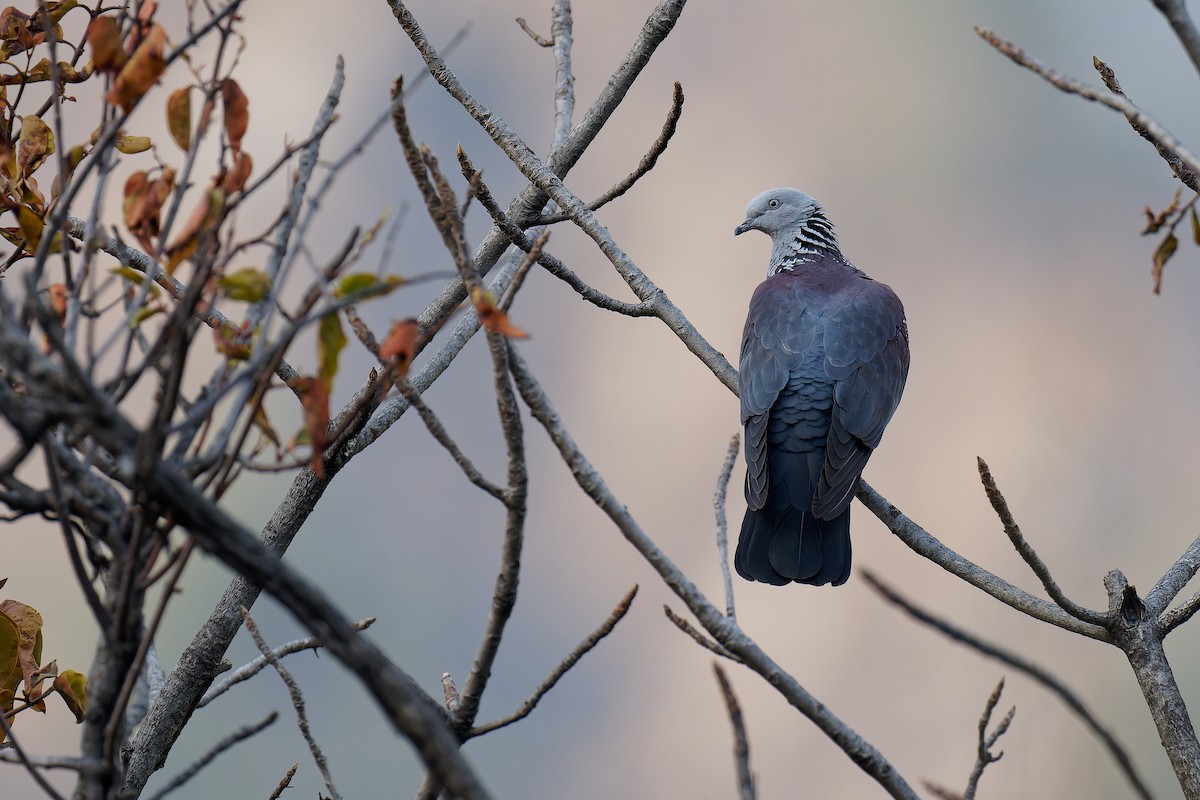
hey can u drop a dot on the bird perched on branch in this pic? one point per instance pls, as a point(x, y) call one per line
point(823, 364)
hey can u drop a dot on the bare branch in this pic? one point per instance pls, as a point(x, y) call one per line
point(297, 704)
point(1174, 579)
point(561, 25)
point(442, 437)
point(284, 782)
point(1185, 29)
point(926, 545)
point(542, 41)
point(1173, 618)
point(1141, 121)
point(698, 637)
point(1000, 506)
point(645, 165)
point(741, 748)
point(1043, 676)
point(236, 737)
point(252, 668)
point(23, 759)
point(552, 265)
point(1135, 630)
point(987, 741)
point(1189, 178)
point(722, 522)
point(571, 660)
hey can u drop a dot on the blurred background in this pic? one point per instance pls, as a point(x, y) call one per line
point(1006, 216)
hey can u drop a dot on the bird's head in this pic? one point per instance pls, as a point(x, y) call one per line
point(782, 212)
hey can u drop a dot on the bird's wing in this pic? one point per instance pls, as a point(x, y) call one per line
point(866, 355)
point(780, 329)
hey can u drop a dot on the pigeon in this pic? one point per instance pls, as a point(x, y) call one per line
point(823, 363)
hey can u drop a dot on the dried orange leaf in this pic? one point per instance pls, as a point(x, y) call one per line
point(237, 112)
point(141, 71)
point(204, 217)
point(248, 284)
point(491, 317)
point(58, 300)
point(104, 37)
point(235, 179)
point(330, 341)
point(72, 687)
point(132, 144)
point(401, 344)
point(179, 117)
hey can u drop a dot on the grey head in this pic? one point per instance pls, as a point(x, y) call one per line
point(798, 226)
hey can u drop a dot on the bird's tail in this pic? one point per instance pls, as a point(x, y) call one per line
point(784, 541)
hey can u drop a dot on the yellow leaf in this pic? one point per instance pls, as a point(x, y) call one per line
point(136, 278)
point(132, 144)
point(72, 687)
point(248, 284)
point(31, 227)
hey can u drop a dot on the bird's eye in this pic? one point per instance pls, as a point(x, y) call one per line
point(772, 204)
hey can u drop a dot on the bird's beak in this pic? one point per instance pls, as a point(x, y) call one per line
point(748, 225)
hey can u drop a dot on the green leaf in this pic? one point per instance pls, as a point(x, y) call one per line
point(136, 278)
point(132, 144)
point(248, 283)
point(72, 687)
point(330, 341)
point(355, 282)
point(1195, 226)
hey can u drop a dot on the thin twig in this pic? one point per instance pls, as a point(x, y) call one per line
point(741, 747)
point(297, 704)
point(926, 545)
point(38, 778)
point(722, 521)
point(1185, 29)
point(571, 660)
point(1173, 618)
point(249, 670)
point(1000, 506)
point(1143, 122)
point(552, 265)
point(240, 735)
point(285, 782)
point(1041, 675)
point(1187, 176)
point(657, 148)
point(698, 637)
point(440, 435)
point(984, 755)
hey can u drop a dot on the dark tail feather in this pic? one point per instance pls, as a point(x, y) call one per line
point(781, 546)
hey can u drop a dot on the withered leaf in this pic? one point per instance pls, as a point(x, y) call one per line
point(104, 37)
point(235, 179)
point(491, 317)
point(179, 117)
point(233, 343)
point(141, 71)
point(237, 112)
point(72, 687)
point(1162, 254)
point(401, 344)
point(314, 397)
point(35, 142)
